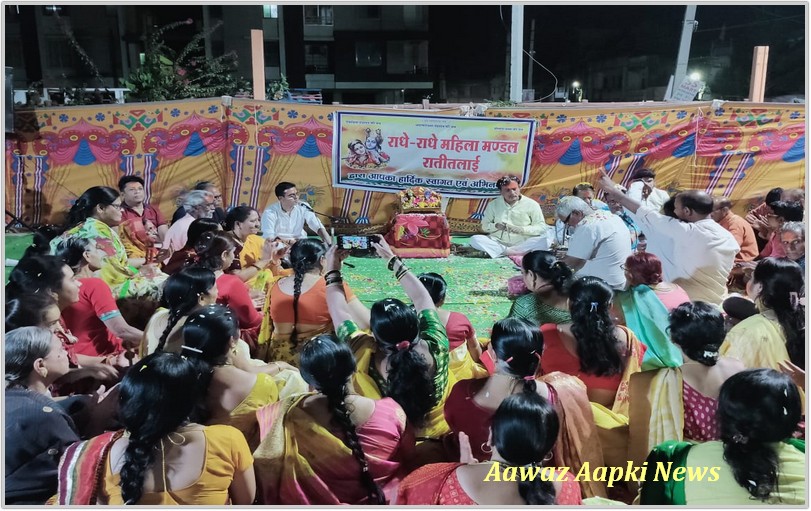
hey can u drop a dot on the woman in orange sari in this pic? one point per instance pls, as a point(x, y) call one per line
point(331, 446)
point(298, 303)
point(525, 427)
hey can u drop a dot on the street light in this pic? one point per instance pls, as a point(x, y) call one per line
point(695, 75)
point(576, 94)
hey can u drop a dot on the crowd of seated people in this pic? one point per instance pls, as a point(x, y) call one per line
point(261, 378)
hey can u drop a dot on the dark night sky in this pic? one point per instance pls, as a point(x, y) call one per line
point(568, 37)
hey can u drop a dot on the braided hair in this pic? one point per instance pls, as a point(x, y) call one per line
point(519, 345)
point(328, 364)
point(181, 293)
point(783, 282)
point(157, 397)
point(305, 256)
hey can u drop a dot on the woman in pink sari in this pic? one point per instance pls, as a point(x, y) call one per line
point(331, 446)
point(524, 429)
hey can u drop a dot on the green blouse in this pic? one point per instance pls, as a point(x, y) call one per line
point(538, 313)
point(432, 331)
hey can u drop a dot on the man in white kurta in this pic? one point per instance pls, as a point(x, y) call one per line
point(285, 219)
point(514, 224)
point(600, 243)
point(643, 189)
point(700, 253)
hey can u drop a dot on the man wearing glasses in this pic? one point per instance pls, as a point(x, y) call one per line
point(197, 204)
point(514, 223)
point(285, 219)
point(599, 244)
point(207, 186)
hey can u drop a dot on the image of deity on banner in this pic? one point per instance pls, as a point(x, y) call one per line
point(368, 154)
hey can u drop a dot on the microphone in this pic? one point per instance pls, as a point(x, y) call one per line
point(307, 206)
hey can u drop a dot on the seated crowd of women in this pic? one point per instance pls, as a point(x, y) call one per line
point(252, 383)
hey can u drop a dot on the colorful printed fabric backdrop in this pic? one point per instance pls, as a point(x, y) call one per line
point(740, 150)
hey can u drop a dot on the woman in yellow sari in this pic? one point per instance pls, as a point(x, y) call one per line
point(331, 446)
point(464, 347)
point(756, 462)
point(257, 259)
point(211, 335)
point(777, 333)
point(406, 358)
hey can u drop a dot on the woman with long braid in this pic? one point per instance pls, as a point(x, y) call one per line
point(183, 292)
point(757, 461)
point(298, 303)
point(361, 443)
point(166, 458)
point(405, 357)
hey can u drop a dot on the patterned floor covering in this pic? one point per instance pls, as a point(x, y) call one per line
point(477, 287)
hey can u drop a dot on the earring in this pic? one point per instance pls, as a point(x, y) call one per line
point(489, 448)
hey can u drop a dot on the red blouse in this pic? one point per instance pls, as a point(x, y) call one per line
point(459, 329)
point(557, 358)
point(85, 319)
point(463, 414)
point(231, 291)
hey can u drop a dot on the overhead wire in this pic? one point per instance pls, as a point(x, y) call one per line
point(555, 87)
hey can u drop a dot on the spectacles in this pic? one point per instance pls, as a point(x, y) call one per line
point(116, 206)
point(566, 222)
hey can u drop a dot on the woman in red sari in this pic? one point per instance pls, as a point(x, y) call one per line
point(215, 252)
point(525, 427)
point(514, 356)
point(332, 446)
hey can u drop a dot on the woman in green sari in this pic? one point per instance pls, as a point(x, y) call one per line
point(95, 215)
point(546, 278)
point(756, 462)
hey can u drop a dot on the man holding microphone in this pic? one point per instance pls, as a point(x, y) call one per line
point(285, 219)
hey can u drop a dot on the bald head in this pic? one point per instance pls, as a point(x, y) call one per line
point(693, 205)
point(720, 208)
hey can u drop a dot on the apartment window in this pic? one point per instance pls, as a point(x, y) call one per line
point(318, 15)
point(272, 58)
point(407, 57)
point(316, 58)
point(270, 11)
point(368, 54)
point(59, 54)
